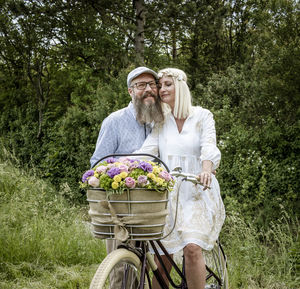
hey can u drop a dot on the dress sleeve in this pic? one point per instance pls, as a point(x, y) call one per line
point(150, 145)
point(209, 149)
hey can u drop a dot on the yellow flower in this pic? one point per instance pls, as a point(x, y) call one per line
point(155, 170)
point(96, 175)
point(123, 175)
point(160, 181)
point(151, 175)
point(117, 178)
point(117, 164)
point(114, 185)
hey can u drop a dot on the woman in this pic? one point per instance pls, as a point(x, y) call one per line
point(187, 138)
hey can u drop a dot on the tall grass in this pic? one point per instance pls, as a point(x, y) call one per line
point(262, 259)
point(45, 242)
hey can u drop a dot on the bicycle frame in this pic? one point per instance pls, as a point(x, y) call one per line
point(142, 251)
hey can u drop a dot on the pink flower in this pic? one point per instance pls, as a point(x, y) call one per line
point(142, 180)
point(130, 182)
point(123, 168)
point(133, 166)
point(109, 166)
point(93, 181)
point(124, 160)
point(165, 175)
point(101, 169)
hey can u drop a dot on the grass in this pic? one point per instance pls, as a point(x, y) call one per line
point(46, 243)
point(262, 259)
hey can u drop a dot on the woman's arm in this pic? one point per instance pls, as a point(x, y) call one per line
point(209, 149)
point(150, 145)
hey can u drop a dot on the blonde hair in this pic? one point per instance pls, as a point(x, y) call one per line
point(183, 98)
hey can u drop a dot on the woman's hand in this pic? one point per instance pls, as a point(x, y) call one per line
point(205, 179)
point(205, 175)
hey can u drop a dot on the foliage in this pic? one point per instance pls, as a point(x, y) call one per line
point(258, 144)
point(64, 67)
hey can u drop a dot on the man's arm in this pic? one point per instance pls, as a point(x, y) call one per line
point(107, 142)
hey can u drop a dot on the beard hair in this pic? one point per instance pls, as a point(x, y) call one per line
point(148, 112)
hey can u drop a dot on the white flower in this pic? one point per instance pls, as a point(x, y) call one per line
point(93, 181)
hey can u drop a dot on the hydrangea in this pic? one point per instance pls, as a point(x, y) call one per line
point(86, 175)
point(146, 167)
point(111, 160)
point(113, 172)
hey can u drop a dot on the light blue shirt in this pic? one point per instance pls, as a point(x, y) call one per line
point(120, 133)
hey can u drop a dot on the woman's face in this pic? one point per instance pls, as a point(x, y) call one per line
point(167, 90)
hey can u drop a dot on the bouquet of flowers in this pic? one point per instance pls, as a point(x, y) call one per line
point(115, 175)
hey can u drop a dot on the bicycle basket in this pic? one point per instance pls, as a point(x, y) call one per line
point(137, 214)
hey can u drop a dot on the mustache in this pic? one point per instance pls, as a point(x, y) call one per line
point(149, 93)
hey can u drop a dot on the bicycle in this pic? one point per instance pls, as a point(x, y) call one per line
point(137, 262)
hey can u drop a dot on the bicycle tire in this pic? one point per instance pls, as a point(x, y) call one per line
point(119, 257)
point(216, 261)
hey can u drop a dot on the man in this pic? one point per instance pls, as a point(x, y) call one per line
point(125, 130)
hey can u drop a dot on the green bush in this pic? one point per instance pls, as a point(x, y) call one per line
point(258, 145)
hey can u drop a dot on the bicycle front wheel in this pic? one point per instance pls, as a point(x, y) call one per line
point(217, 276)
point(120, 269)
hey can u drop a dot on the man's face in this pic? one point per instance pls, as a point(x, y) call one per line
point(144, 88)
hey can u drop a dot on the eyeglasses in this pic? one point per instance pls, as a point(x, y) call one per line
point(143, 85)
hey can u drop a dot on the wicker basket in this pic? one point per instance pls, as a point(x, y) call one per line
point(137, 214)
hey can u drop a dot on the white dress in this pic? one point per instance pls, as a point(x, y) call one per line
point(200, 213)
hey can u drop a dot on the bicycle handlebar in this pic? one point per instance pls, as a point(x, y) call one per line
point(177, 172)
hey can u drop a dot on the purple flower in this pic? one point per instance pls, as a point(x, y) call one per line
point(146, 167)
point(113, 171)
point(111, 160)
point(130, 182)
point(133, 166)
point(86, 175)
point(142, 180)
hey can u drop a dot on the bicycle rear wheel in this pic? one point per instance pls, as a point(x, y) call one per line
point(123, 267)
point(217, 277)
